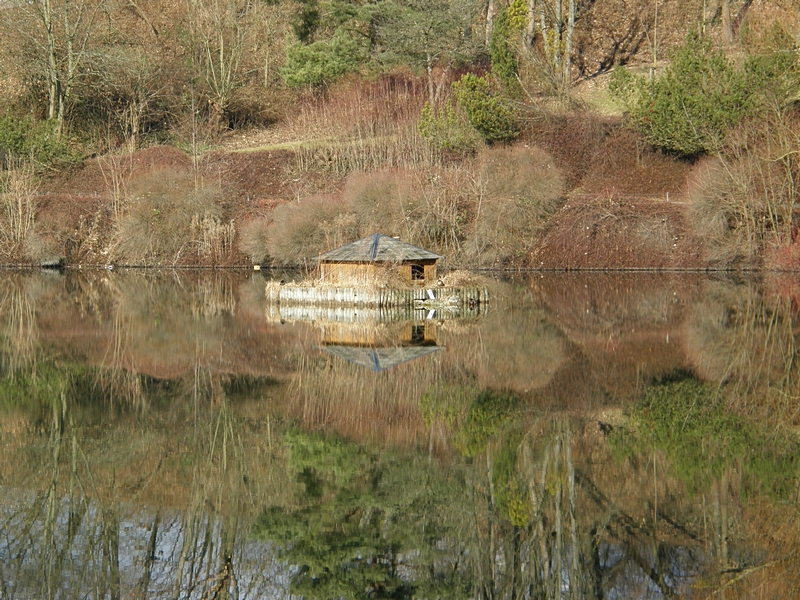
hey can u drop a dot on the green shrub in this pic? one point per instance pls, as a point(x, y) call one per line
point(691, 108)
point(322, 62)
point(27, 139)
point(505, 65)
point(447, 131)
point(493, 118)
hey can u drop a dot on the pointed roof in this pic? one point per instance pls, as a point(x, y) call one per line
point(377, 248)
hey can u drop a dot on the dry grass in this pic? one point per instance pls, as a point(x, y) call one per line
point(167, 218)
point(18, 209)
point(742, 201)
point(362, 126)
point(466, 279)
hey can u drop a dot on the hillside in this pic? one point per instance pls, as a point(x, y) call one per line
point(498, 152)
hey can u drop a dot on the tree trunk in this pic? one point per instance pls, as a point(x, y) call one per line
point(727, 23)
point(567, 74)
point(489, 22)
point(530, 28)
point(52, 66)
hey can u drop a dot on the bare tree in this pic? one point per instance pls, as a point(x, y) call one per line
point(60, 31)
point(218, 31)
point(557, 24)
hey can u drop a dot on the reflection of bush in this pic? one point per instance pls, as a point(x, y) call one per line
point(691, 423)
point(489, 414)
point(446, 401)
point(735, 336)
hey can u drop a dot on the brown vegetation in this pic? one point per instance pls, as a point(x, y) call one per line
point(742, 204)
point(357, 143)
point(614, 233)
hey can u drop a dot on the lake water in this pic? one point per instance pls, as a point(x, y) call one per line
point(169, 435)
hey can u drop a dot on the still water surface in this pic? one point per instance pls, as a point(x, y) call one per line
point(169, 435)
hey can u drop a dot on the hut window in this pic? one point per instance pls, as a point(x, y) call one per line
point(417, 272)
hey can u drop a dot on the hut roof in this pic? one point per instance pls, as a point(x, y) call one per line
point(377, 248)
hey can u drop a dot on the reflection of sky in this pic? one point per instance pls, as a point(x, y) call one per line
point(627, 577)
point(186, 559)
point(380, 359)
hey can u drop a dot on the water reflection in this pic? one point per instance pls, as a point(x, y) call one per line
point(591, 436)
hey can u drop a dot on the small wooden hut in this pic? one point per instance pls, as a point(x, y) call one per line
point(366, 258)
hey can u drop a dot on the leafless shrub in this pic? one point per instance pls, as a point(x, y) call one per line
point(382, 201)
point(302, 230)
point(742, 201)
point(441, 219)
point(255, 105)
point(167, 218)
point(117, 170)
point(428, 207)
point(519, 189)
point(18, 187)
point(254, 242)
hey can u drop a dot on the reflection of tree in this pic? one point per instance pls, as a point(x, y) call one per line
point(719, 454)
point(383, 527)
point(85, 533)
point(19, 325)
point(738, 338)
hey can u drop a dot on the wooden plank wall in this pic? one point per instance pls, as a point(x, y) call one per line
point(375, 297)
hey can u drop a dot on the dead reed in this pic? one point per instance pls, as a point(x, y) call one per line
point(17, 205)
point(742, 202)
point(167, 219)
point(364, 127)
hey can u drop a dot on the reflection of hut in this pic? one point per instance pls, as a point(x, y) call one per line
point(363, 260)
point(401, 333)
point(380, 346)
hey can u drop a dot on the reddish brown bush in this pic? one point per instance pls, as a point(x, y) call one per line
point(302, 230)
point(520, 189)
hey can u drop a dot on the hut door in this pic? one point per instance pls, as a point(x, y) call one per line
point(417, 273)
